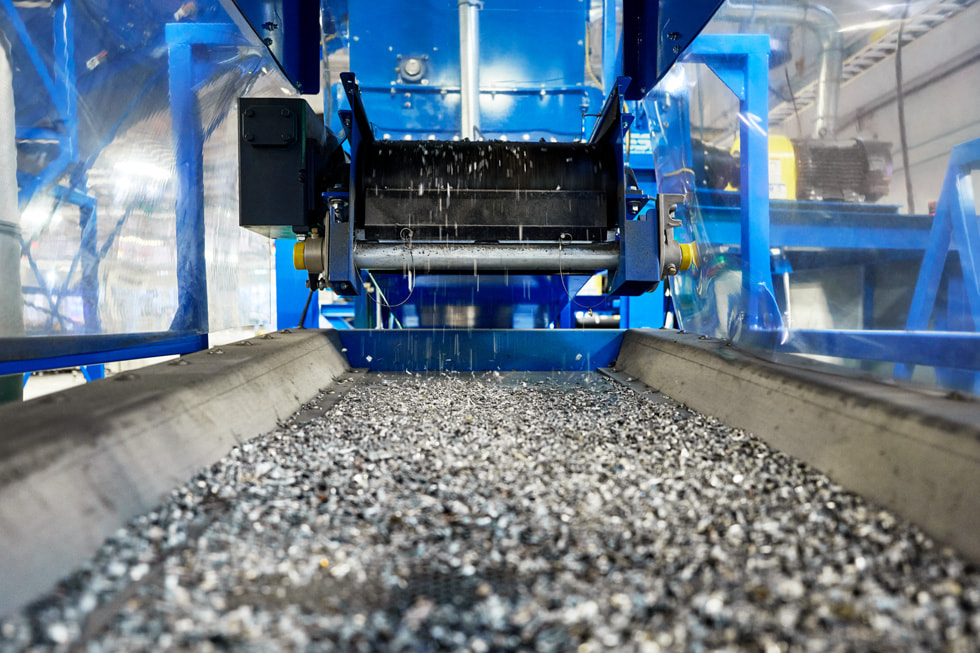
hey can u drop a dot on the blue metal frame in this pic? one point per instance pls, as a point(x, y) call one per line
point(290, 30)
point(190, 324)
point(185, 76)
point(639, 266)
point(337, 315)
point(60, 84)
point(418, 350)
point(61, 351)
point(954, 228)
point(655, 34)
point(740, 61)
point(341, 273)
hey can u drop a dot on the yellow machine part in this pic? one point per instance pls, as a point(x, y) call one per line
point(782, 167)
point(299, 252)
point(688, 256)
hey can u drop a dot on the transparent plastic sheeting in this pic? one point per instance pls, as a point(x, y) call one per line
point(99, 184)
point(852, 203)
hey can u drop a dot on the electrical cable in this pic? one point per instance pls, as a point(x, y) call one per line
point(903, 137)
point(406, 235)
point(306, 307)
point(628, 146)
point(588, 61)
point(676, 172)
point(561, 277)
point(792, 96)
point(384, 299)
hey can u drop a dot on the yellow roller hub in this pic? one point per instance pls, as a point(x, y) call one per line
point(299, 254)
point(687, 255)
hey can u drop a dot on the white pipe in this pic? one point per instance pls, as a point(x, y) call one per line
point(11, 294)
point(822, 22)
point(469, 68)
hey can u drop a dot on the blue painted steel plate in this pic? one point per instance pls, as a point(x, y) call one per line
point(531, 350)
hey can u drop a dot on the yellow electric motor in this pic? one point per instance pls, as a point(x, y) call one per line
point(782, 167)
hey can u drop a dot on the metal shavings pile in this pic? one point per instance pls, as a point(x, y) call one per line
point(459, 512)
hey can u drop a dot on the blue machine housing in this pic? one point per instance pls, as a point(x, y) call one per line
point(532, 69)
point(501, 300)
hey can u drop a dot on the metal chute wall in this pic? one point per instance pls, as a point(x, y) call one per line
point(860, 269)
point(125, 121)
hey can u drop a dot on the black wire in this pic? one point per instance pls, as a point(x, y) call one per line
point(796, 110)
point(901, 112)
point(306, 307)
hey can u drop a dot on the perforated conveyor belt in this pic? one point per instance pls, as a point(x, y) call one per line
point(514, 511)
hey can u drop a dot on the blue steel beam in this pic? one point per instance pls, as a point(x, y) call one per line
point(468, 350)
point(72, 351)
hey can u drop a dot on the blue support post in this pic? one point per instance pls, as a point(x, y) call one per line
point(362, 310)
point(93, 372)
point(192, 293)
point(192, 301)
point(89, 252)
point(65, 97)
point(61, 89)
point(955, 218)
point(741, 61)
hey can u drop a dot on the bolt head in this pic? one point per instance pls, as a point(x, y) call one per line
point(412, 67)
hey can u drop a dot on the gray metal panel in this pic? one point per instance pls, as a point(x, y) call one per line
point(916, 452)
point(76, 465)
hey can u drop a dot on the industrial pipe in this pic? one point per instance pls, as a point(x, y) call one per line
point(822, 22)
point(423, 258)
point(11, 294)
point(469, 68)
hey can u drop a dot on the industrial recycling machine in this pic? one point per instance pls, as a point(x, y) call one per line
point(722, 167)
point(463, 206)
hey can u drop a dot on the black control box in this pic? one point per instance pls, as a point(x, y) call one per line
point(287, 160)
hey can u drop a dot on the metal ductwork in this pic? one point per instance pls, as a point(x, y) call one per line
point(825, 26)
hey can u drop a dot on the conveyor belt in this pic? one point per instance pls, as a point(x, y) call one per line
point(504, 511)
